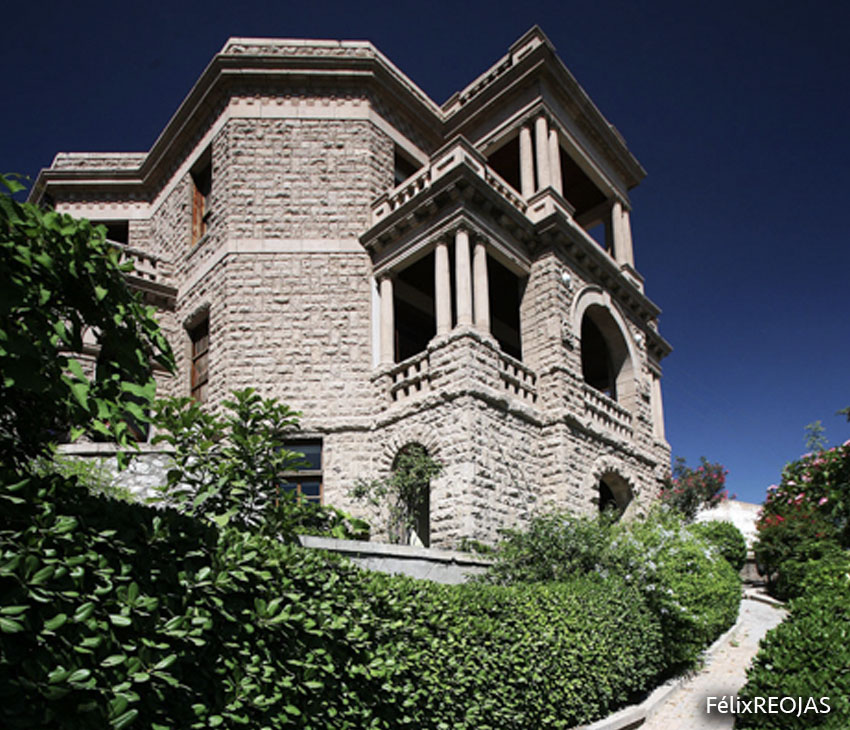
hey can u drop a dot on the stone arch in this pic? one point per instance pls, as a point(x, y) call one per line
point(609, 357)
point(609, 483)
point(403, 441)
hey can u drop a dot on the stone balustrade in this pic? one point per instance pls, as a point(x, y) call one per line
point(457, 153)
point(606, 412)
point(517, 378)
point(410, 377)
point(146, 266)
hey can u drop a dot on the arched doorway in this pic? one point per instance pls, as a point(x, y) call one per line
point(606, 362)
point(413, 470)
point(615, 494)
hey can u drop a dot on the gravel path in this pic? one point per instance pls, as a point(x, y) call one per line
point(725, 674)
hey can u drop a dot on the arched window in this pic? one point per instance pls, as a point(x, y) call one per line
point(605, 360)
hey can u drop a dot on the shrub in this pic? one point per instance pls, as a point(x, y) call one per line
point(809, 506)
point(808, 654)
point(687, 490)
point(553, 547)
point(814, 489)
point(726, 538)
point(693, 591)
point(59, 277)
point(532, 655)
point(228, 466)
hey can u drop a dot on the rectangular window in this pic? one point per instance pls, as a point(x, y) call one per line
point(305, 480)
point(200, 374)
point(201, 189)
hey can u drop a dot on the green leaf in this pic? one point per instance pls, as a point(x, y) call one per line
point(124, 720)
point(119, 620)
point(113, 660)
point(58, 620)
point(81, 675)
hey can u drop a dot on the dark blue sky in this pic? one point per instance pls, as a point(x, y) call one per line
point(738, 111)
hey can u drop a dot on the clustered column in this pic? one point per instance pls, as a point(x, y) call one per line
point(539, 150)
point(472, 292)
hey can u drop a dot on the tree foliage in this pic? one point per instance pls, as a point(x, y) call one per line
point(687, 490)
point(60, 278)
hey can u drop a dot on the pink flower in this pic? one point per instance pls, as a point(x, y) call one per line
point(771, 488)
point(822, 501)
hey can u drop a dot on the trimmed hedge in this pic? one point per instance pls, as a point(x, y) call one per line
point(692, 590)
point(808, 654)
point(121, 615)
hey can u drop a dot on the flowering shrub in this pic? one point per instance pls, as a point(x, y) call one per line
point(807, 509)
point(688, 489)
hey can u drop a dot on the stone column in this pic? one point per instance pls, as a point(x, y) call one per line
point(657, 409)
point(442, 288)
point(387, 321)
point(526, 162)
point(541, 147)
point(621, 235)
point(463, 278)
point(555, 161)
point(481, 286)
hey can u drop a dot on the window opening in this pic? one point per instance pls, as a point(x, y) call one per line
point(403, 167)
point(413, 299)
point(116, 231)
point(506, 289)
point(201, 190)
point(505, 162)
point(579, 189)
point(199, 377)
point(597, 367)
point(305, 481)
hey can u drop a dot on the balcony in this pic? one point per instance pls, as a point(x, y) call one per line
point(149, 276)
point(410, 378)
point(456, 154)
point(465, 361)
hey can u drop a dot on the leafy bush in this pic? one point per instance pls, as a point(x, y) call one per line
point(228, 468)
point(726, 538)
point(693, 591)
point(687, 490)
point(808, 654)
point(553, 547)
point(122, 615)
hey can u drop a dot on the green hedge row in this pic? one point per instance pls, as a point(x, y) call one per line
point(120, 615)
point(808, 654)
point(692, 590)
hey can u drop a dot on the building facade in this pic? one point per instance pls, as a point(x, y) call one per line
point(460, 277)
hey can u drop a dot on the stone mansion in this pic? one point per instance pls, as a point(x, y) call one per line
point(458, 276)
